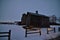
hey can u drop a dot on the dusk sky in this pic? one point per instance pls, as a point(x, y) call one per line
point(12, 10)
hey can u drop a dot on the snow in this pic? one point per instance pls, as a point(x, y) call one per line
point(18, 33)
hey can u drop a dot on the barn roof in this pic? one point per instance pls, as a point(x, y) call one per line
point(35, 14)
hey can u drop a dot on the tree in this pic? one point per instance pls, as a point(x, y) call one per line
point(53, 18)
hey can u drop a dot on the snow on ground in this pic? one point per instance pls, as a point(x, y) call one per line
point(18, 33)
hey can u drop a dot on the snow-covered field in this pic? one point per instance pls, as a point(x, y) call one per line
point(18, 33)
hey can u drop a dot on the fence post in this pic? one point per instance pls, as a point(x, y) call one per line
point(9, 35)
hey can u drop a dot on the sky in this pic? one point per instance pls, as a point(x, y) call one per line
point(12, 10)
